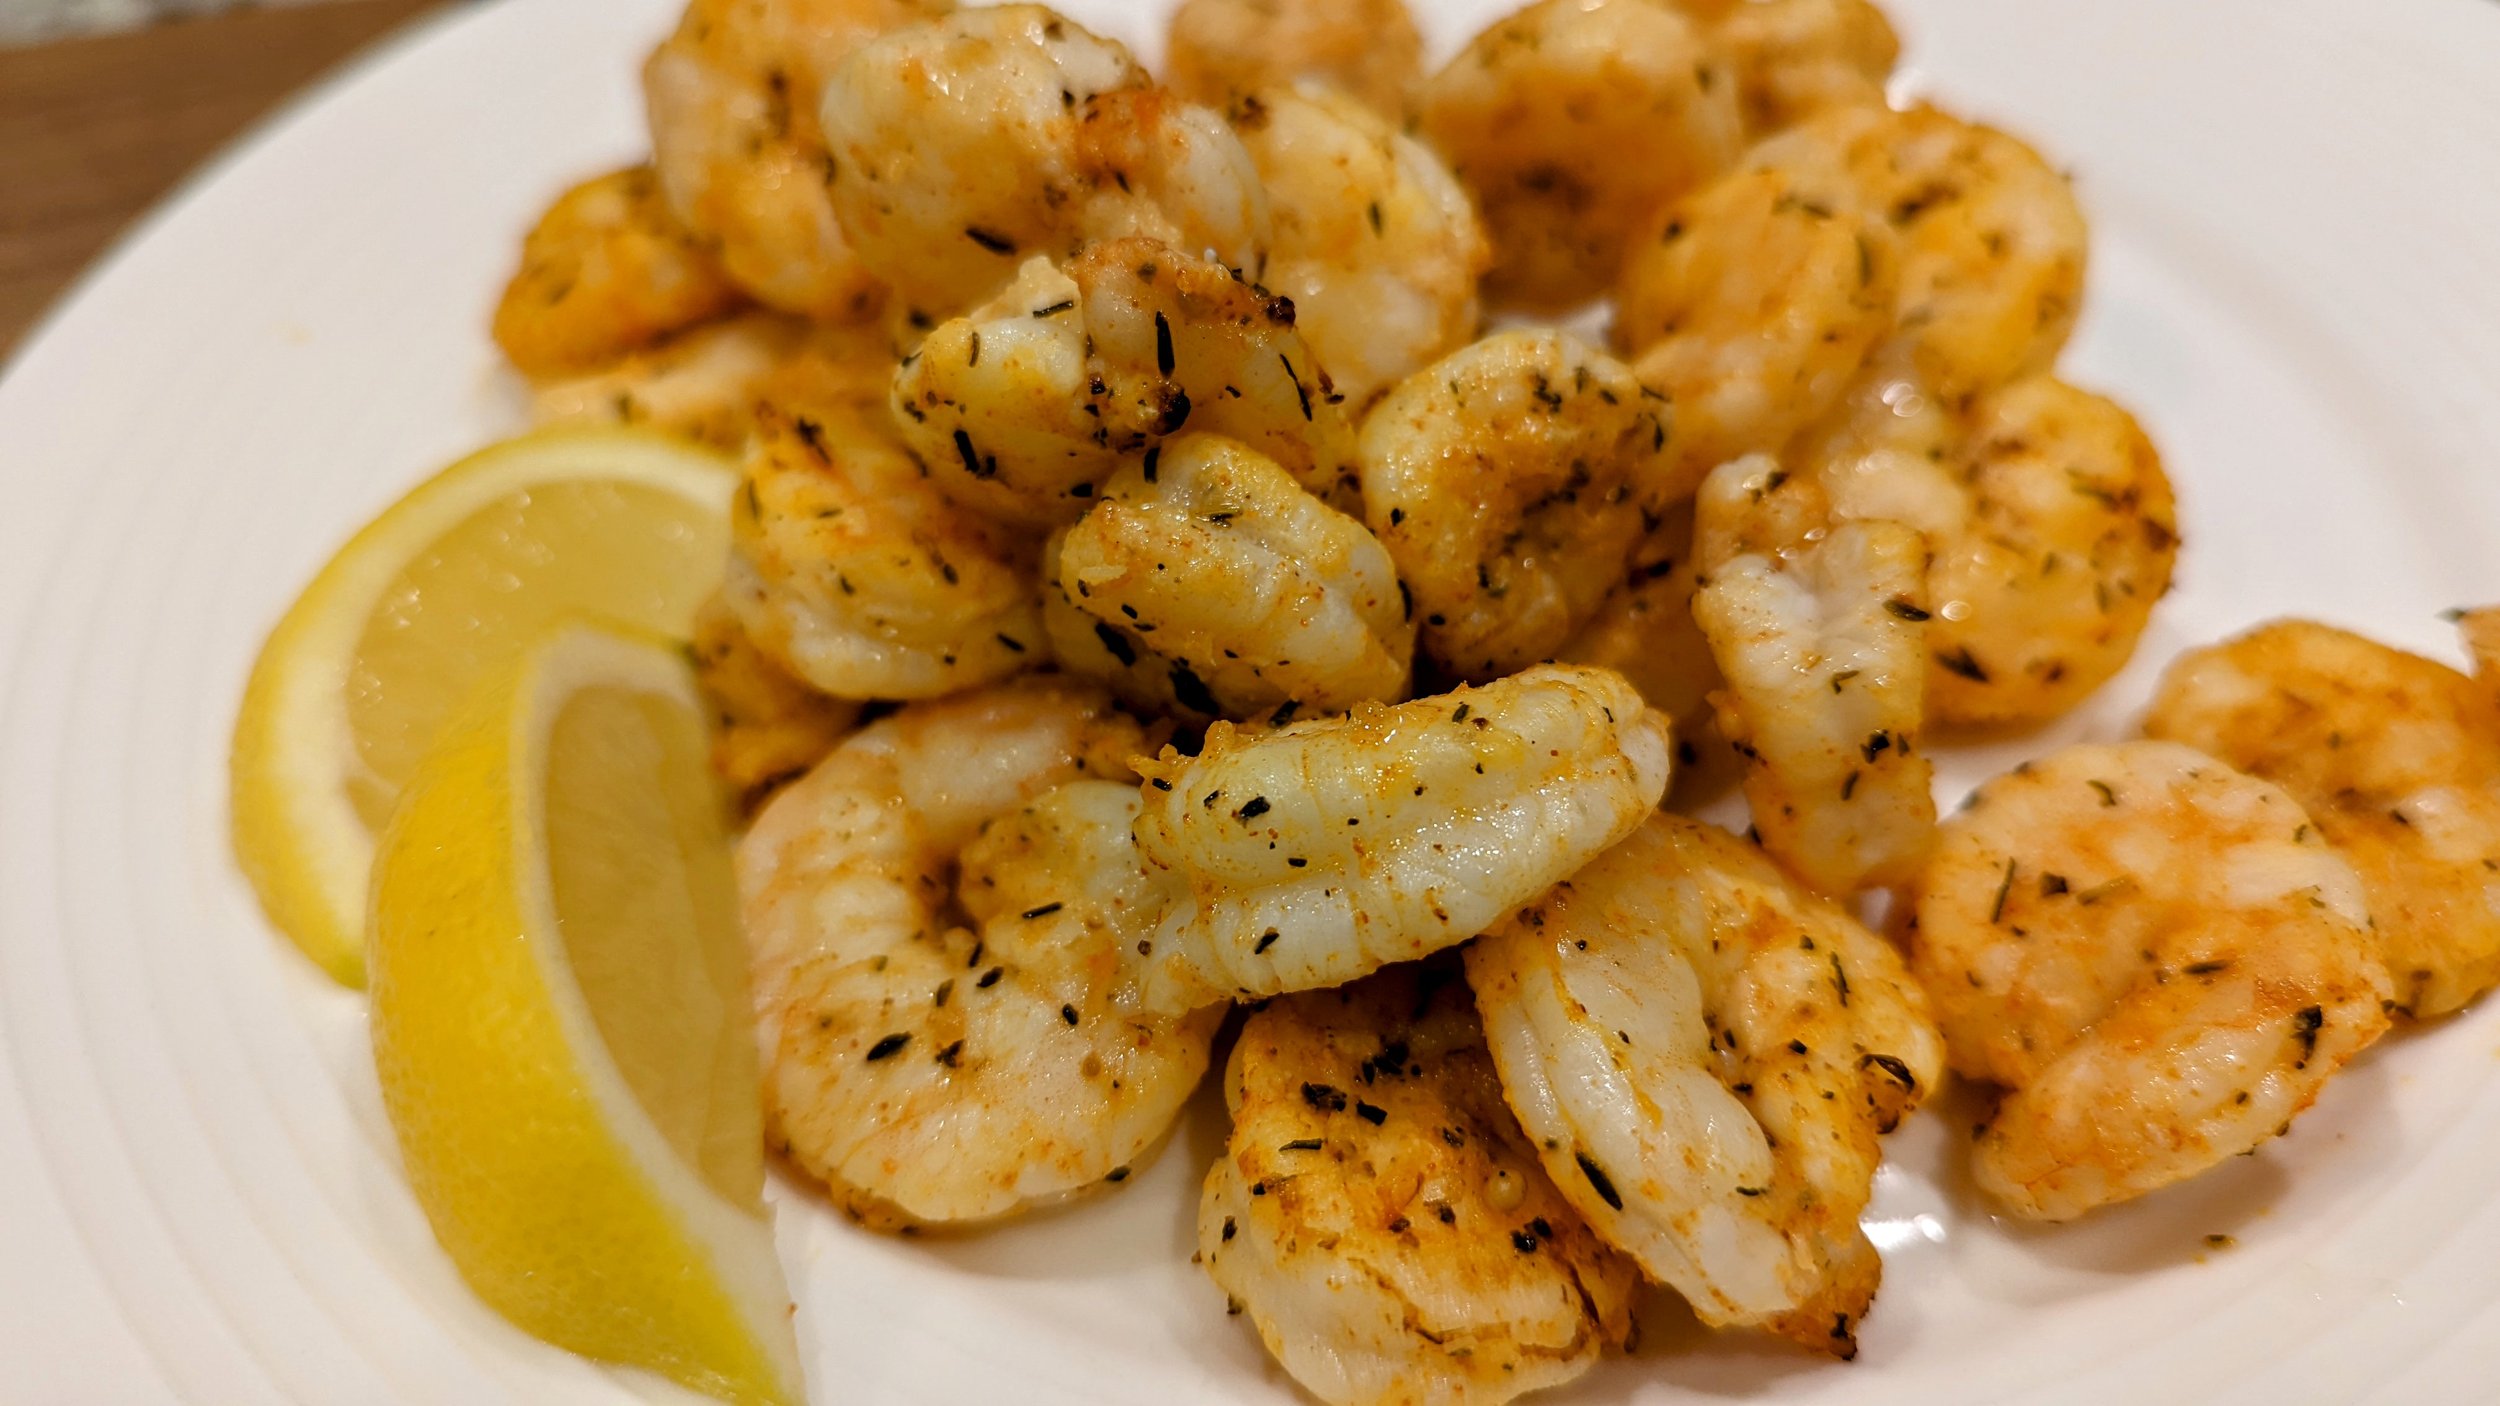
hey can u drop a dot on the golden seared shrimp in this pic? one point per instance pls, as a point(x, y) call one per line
point(734, 139)
point(1509, 481)
point(1376, 243)
point(940, 918)
point(705, 383)
point(1573, 120)
point(1381, 1220)
point(1646, 632)
point(1751, 308)
point(965, 145)
point(1992, 242)
point(607, 270)
point(1208, 583)
point(768, 728)
point(1705, 1055)
point(2397, 759)
point(1220, 51)
point(1334, 846)
point(1026, 406)
point(1822, 648)
point(2159, 958)
point(847, 566)
point(2065, 540)
point(1794, 58)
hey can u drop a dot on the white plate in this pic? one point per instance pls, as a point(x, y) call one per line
point(2296, 281)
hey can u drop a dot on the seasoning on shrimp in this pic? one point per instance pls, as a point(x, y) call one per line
point(984, 833)
point(1206, 574)
point(1468, 805)
point(2139, 928)
point(605, 272)
point(1794, 58)
point(1705, 1055)
point(1402, 1245)
point(768, 727)
point(1218, 52)
point(706, 382)
point(2397, 759)
point(1510, 482)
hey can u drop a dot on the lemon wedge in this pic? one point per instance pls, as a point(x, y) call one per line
point(561, 1026)
point(440, 591)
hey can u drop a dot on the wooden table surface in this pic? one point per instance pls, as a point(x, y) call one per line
point(94, 131)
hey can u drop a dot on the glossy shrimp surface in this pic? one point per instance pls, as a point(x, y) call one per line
point(768, 727)
point(1705, 1055)
point(1795, 58)
point(1571, 121)
point(1330, 847)
point(606, 271)
point(1025, 407)
point(1220, 51)
point(2160, 959)
point(1822, 645)
point(2397, 759)
point(848, 567)
point(965, 145)
point(1510, 482)
point(1380, 1219)
point(734, 138)
point(941, 917)
point(1207, 582)
point(1751, 308)
point(706, 382)
point(1376, 243)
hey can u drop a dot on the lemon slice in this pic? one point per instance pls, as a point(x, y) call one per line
point(561, 1026)
point(441, 590)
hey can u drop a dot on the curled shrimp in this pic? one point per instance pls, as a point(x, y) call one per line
point(1376, 242)
point(1207, 582)
point(940, 918)
point(1646, 632)
point(964, 145)
point(849, 568)
point(1509, 482)
point(607, 270)
point(1822, 647)
point(1220, 51)
point(705, 383)
point(1333, 846)
point(1705, 1055)
point(1571, 121)
point(1751, 308)
point(767, 727)
point(2397, 759)
point(735, 142)
point(2159, 958)
point(1026, 406)
point(1794, 58)
point(1381, 1220)
point(1992, 243)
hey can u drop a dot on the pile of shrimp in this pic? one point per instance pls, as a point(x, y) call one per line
point(1190, 606)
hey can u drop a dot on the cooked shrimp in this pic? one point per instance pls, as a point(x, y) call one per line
point(2159, 958)
point(1822, 647)
point(1331, 847)
point(964, 145)
point(2397, 759)
point(1376, 243)
point(1705, 1054)
point(1220, 51)
point(849, 568)
point(942, 1048)
point(1646, 632)
point(1207, 582)
point(735, 141)
point(1027, 405)
point(706, 382)
point(606, 271)
point(1794, 58)
point(1509, 482)
point(1379, 1216)
point(767, 727)
point(1751, 308)
point(1573, 120)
